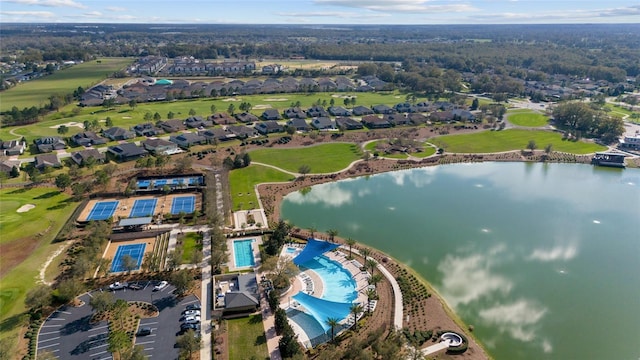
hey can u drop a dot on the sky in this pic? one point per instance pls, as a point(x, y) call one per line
point(322, 11)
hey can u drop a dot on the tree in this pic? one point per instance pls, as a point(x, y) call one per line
point(246, 159)
point(280, 271)
point(174, 258)
point(231, 109)
point(371, 295)
point(184, 164)
point(375, 279)
point(474, 104)
point(213, 108)
point(189, 343)
point(371, 264)
point(38, 297)
point(170, 115)
point(63, 129)
point(548, 149)
point(129, 263)
point(332, 322)
point(68, 289)
point(365, 252)
point(157, 116)
point(63, 181)
point(532, 145)
point(304, 169)
point(182, 280)
point(346, 101)
point(332, 234)
point(312, 231)
point(108, 122)
point(15, 172)
point(192, 112)
point(102, 301)
point(148, 116)
point(355, 309)
point(133, 103)
point(350, 242)
point(118, 340)
point(135, 353)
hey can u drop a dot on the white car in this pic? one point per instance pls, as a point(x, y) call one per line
point(163, 284)
point(117, 286)
point(191, 313)
point(191, 319)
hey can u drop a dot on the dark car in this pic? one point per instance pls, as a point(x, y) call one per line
point(194, 307)
point(144, 331)
point(186, 327)
point(135, 286)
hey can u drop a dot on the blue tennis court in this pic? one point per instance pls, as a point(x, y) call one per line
point(143, 207)
point(186, 204)
point(160, 183)
point(136, 251)
point(102, 210)
point(143, 184)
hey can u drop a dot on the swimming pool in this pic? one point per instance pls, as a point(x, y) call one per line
point(316, 333)
point(337, 282)
point(243, 252)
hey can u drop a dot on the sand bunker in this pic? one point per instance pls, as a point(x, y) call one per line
point(262, 106)
point(125, 117)
point(341, 96)
point(25, 208)
point(69, 124)
point(231, 99)
point(276, 99)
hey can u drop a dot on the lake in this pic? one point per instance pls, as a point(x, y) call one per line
point(542, 259)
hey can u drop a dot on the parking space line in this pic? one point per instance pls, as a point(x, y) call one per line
point(64, 312)
point(99, 346)
point(147, 349)
point(44, 326)
point(53, 338)
point(98, 334)
point(149, 323)
point(48, 346)
point(52, 351)
point(98, 328)
point(96, 354)
point(58, 319)
point(52, 332)
point(146, 342)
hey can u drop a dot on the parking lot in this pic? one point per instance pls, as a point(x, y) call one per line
point(67, 333)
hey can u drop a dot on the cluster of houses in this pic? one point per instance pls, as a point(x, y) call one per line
point(149, 89)
point(188, 65)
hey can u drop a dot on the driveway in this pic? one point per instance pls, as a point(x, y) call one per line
point(68, 335)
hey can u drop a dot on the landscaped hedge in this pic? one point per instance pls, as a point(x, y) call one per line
point(456, 349)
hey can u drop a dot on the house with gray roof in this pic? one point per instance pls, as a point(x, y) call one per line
point(323, 123)
point(88, 138)
point(80, 157)
point(375, 122)
point(317, 111)
point(246, 117)
point(48, 144)
point(269, 127)
point(126, 151)
point(347, 123)
point(217, 134)
point(383, 109)
point(243, 132)
point(299, 124)
point(361, 111)
point(271, 114)
point(187, 140)
point(118, 133)
point(244, 298)
point(46, 160)
point(339, 111)
point(160, 146)
point(13, 147)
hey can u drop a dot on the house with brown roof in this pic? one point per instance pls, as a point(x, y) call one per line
point(171, 126)
point(246, 117)
point(160, 146)
point(46, 160)
point(118, 133)
point(80, 157)
point(375, 122)
point(347, 123)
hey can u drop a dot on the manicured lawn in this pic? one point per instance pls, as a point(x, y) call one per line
point(247, 339)
point(513, 139)
point(37, 92)
point(242, 183)
point(191, 243)
point(27, 233)
point(527, 118)
point(322, 158)
point(428, 150)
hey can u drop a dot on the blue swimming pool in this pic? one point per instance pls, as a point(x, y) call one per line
point(243, 252)
point(337, 282)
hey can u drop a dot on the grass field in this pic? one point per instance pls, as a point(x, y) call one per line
point(27, 233)
point(248, 339)
point(514, 139)
point(527, 118)
point(37, 92)
point(322, 158)
point(191, 243)
point(242, 183)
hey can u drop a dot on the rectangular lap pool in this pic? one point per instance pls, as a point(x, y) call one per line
point(243, 252)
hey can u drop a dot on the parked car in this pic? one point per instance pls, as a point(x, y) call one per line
point(194, 306)
point(191, 313)
point(186, 327)
point(191, 320)
point(117, 286)
point(135, 286)
point(144, 331)
point(163, 284)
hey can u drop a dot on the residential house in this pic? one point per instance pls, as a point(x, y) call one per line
point(246, 117)
point(187, 140)
point(13, 147)
point(7, 166)
point(243, 132)
point(294, 113)
point(339, 111)
point(217, 134)
point(268, 127)
point(375, 122)
point(48, 144)
point(361, 111)
point(463, 115)
point(396, 119)
point(222, 119)
point(417, 118)
point(127, 151)
point(172, 126)
point(160, 146)
point(422, 106)
point(347, 123)
point(383, 109)
point(442, 116)
point(317, 111)
point(443, 105)
point(326, 84)
point(47, 160)
point(272, 69)
point(117, 133)
point(406, 108)
point(80, 157)
point(323, 123)
point(630, 142)
point(271, 114)
point(147, 129)
point(299, 124)
point(88, 138)
point(196, 122)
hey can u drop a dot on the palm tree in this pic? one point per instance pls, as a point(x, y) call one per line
point(350, 242)
point(332, 234)
point(375, 279)
point(371, 295)
point(371, 264)
point(333, 322)
point(312, 230)
point(355, 310)
point(365, 253)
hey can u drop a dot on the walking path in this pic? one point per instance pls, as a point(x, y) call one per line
point(205, 297)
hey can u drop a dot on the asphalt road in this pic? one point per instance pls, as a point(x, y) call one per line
point(68, 335)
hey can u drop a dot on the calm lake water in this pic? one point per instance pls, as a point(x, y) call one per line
point(543, 259)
